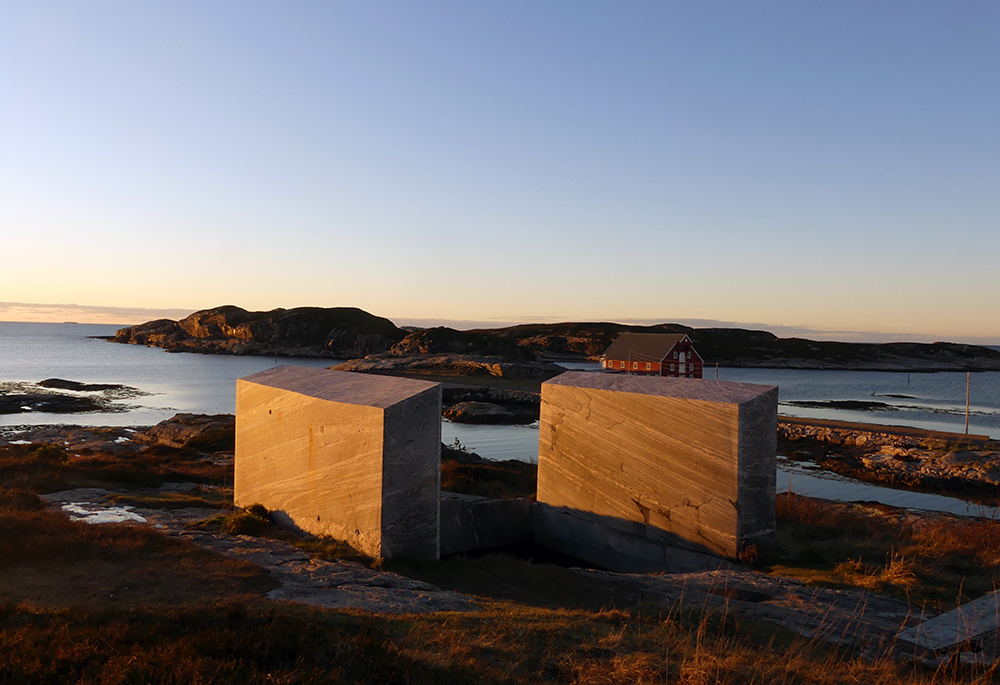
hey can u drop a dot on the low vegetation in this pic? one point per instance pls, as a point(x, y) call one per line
point(940, 560)
point(123, 603)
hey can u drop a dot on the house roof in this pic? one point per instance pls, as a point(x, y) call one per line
point(650, 347)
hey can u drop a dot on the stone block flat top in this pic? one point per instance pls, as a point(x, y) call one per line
point(341, 386)
point(728, 392)
point(956, 626)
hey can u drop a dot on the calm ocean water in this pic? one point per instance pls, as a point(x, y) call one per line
point(207, 383)
point(195, 383)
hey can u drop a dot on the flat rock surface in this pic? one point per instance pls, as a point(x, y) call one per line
point(332, 584)
point(964, 623)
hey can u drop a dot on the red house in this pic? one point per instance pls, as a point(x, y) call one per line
point(653, 354)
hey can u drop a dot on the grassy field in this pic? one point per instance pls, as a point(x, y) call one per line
point(125, 604)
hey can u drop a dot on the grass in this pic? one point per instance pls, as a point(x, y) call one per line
point(48, 561)
point(49, 469)
point(200, 497)
point(938, 560)
point(499, 480)
point(125, 604)
point(257, 642)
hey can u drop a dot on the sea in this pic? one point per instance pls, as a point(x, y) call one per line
point(173, 383)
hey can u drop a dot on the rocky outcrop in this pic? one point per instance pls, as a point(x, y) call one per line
point(453, 364)
point(442, 340)
point(50, 403)
point(338, 332)
point(453, 394)
point(198, 432)
point(486, 413)
point(931, 462)
point(76, 386)
point(479, 404)
point(18, 397)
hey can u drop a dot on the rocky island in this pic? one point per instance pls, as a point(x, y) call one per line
point(348, 333)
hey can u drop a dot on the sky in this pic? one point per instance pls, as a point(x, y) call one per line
point(822, 168)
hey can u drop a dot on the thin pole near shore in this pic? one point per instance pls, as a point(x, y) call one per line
point(968, 383)
point(716, 370)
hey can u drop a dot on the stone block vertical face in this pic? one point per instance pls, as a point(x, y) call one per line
point(353, 456)
point(757, 468)
point(649, 464)
point(411, 485)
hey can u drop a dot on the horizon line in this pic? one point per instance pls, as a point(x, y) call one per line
point(130, 316)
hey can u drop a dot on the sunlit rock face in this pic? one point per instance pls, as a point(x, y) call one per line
point(353, 456)
point(633, 469)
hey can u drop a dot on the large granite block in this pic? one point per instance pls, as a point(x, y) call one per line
point(643, 464)
point(353, 456)
point(603, 542)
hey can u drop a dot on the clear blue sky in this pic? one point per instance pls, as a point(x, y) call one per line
point(822, 165)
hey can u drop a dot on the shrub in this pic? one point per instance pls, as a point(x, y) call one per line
point(53, 453)
point(253, 520)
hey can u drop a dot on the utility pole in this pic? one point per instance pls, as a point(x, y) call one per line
point(716, 370)
point(968, 384)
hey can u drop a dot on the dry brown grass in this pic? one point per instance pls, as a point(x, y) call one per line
point(123, 604)
point(939, 559)
point(500, 480)
point(40, 468)
point(48, 560)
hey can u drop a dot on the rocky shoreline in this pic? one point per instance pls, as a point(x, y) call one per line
point(928, 461)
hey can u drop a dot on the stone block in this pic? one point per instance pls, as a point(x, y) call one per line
point(353, 456)
point(636, 465)
point(470, 523)
point(955, 628)
point(606, 543)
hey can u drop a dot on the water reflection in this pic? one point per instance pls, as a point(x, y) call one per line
point(815, 482)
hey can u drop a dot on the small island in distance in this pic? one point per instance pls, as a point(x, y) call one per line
point(527, 350)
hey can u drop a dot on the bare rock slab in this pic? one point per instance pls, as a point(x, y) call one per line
point(634, 469)
point(956, 627)
point(353, 456)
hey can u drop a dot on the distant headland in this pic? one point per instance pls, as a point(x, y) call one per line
point(354, 334)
